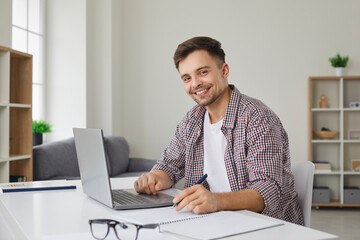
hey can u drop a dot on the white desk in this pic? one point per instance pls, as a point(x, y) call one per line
point(35, 215)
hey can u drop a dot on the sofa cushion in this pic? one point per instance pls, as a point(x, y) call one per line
point(56, 160)
point(118, 151)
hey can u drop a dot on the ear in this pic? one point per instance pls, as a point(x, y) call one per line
point(225, 70)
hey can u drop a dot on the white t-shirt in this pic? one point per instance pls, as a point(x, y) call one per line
point(214, 154)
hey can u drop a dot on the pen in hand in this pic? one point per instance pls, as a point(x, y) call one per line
point(200, 181)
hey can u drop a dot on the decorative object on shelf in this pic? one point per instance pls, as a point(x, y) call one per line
point(323, 101)
point(353, 131)
point(355, 165)
point(339, 63)
point(322, 167)
point(325, 133)
point(39, 128)
point(354, 104)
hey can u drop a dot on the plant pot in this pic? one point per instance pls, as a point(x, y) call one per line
point(37, 139)
point(339, 71)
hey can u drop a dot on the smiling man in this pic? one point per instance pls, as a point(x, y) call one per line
point(237, 140)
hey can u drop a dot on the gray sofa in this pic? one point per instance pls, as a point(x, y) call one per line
point(58, 160)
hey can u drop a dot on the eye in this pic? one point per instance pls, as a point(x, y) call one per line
point(203, 72)
point(186, 79)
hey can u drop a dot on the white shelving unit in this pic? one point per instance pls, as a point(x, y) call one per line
point(15, 114)
point(339, 150)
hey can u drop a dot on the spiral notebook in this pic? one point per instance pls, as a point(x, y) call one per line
point(222, 224)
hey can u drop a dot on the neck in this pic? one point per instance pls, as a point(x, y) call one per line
point(217, 109)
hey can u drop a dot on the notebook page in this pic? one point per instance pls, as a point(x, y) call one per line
point(155, 215)
point(222, 224)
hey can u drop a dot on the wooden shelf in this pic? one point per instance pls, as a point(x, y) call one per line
point(336, 204)
point(15, 114)
point(328, 173)
point(15, 158)
point(19, 157)
point(339, 151)
point(351, 173)
point(351, 109)
point(18, 105)
point(351, 141)
point(326, 141)
point(326, 109)
point(331, 204)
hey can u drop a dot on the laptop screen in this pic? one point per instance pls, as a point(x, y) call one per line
point(91, 156)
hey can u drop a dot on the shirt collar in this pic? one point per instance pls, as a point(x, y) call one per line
point(232, 109)
point(230, 116)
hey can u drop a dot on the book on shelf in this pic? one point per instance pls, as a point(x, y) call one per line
point(18, 179)
point(322, 167)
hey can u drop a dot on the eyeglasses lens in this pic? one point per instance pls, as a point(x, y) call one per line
point(128, 232)
point(99, 230)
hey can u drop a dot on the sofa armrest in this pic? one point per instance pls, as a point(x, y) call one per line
point(55, 160)
point(140, 164)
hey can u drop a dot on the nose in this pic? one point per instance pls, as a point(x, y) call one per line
point(196, 82)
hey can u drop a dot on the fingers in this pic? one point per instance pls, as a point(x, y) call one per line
point(186, 201)
point(158, 186)
point(181, 197)
point(198, 207)
point(197, 199)
point(146, 183)
point(151, 184)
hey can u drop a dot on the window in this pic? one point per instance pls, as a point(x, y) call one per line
point(28, 36)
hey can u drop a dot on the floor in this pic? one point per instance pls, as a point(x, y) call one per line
point(343, 222)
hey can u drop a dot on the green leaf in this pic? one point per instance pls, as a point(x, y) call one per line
point(40, 127)
point(339, 61)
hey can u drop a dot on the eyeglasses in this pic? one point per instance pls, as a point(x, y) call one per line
point(100, 229)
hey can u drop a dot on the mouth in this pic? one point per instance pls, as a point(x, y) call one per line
point(201, 92)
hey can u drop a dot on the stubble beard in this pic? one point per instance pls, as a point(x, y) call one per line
point(212, 99)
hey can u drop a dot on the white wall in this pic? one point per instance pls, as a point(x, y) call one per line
point(5, 22)
point(133, 88)
point(84, 54)
point(272, 48)
point(98, 65)
point(65, 66)
point(117, 88)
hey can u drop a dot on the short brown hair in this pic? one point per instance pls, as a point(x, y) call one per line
point(212, 46)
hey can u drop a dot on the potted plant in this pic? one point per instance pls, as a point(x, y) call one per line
point(39, 127)
point(339, 63)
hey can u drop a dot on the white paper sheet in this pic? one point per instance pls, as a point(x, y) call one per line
point(218, 225)
point(222, 224)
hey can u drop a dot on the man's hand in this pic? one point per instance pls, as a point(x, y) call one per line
point(198, 199)
point(152, 182)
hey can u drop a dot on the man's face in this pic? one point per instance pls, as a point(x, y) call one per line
point(203, 79)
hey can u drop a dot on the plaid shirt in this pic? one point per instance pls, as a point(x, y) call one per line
point(256, 156)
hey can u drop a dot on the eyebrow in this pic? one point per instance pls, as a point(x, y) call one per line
point(197, 70)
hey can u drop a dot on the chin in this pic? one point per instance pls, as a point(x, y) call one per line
point(205, 103)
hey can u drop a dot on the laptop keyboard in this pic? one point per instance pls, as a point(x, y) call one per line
point(126, 198)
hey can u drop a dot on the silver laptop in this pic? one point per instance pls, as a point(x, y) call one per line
point(95, 176)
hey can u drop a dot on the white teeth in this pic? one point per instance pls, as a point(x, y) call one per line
point(201, 91)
